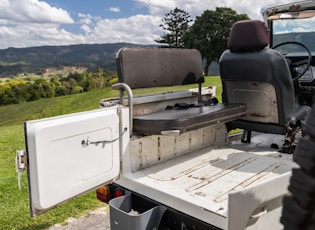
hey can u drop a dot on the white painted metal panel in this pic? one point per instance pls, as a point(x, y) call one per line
point(69, 155)
point(259, 205)
point(199, 183)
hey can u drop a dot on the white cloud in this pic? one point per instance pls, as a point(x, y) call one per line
point(135, 29)
point(302, 25)
point(86, 28)
point(85, 19)
point(25, 23)
point(7, 31)
point(33, 11)
point(158, 7)
point(4, 3)
point(114, 9)
point(34, 35)
point(197, 7)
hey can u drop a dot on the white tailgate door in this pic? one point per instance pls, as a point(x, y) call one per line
point(70, 155)
point(259, 206)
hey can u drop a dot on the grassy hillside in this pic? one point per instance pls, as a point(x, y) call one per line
point(16, 114)
point(14, 212)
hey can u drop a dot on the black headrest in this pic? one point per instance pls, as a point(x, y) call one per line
point(248, 35)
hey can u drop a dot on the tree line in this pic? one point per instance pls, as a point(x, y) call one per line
point(208, 33)
point(20, 90)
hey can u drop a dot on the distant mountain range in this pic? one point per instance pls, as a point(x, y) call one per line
point(14, 61)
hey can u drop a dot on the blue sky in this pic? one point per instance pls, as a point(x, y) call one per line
point(101, 8)
point(26, 23)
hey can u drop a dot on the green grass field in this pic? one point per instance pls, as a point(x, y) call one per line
point(14, 206)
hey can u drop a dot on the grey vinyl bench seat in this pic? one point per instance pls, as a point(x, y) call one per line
point(183, 120)
point(158, 67)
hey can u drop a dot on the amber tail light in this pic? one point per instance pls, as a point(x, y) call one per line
point(107, 192)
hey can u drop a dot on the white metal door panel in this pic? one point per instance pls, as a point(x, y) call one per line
point(259, 206)
point(69, 155)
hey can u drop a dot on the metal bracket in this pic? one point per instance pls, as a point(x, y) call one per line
point(20, 164)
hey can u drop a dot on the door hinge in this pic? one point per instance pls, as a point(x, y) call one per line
point(20, 164)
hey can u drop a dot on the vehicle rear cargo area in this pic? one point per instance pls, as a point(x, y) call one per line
point(199, 183)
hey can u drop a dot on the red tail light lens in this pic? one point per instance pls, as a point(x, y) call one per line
point(118, 193)
point(103, 194)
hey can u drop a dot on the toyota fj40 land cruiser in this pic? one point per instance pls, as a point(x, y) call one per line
point(179, 168)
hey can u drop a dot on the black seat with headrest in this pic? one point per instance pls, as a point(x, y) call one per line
point(258, 76)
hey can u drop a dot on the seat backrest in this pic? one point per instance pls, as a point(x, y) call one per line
point(156, 67)
point(253, 74)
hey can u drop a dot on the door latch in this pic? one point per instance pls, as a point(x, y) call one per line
point(20, 164)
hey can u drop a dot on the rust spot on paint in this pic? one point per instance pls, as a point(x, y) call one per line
point(159, 149)
point(256, 115)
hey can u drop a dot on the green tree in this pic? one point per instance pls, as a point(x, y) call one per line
point(61, 91)
point(94, 83)
point(4, 96)
point(112, 81)
point(66, 88)
point(55, 80)
point(45, 88)
point(14, 91)
point(175, 24)
point(78, 77)
point(210, 32)
point(76, 89)
point(34, 93)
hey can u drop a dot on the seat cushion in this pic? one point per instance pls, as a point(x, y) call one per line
point(187, 119)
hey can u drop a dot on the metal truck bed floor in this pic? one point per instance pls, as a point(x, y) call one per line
point(203, 179)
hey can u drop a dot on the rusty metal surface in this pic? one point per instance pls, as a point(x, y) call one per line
point(203, 179)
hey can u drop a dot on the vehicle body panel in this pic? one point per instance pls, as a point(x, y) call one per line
point(64, 162)
point(199, 183)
